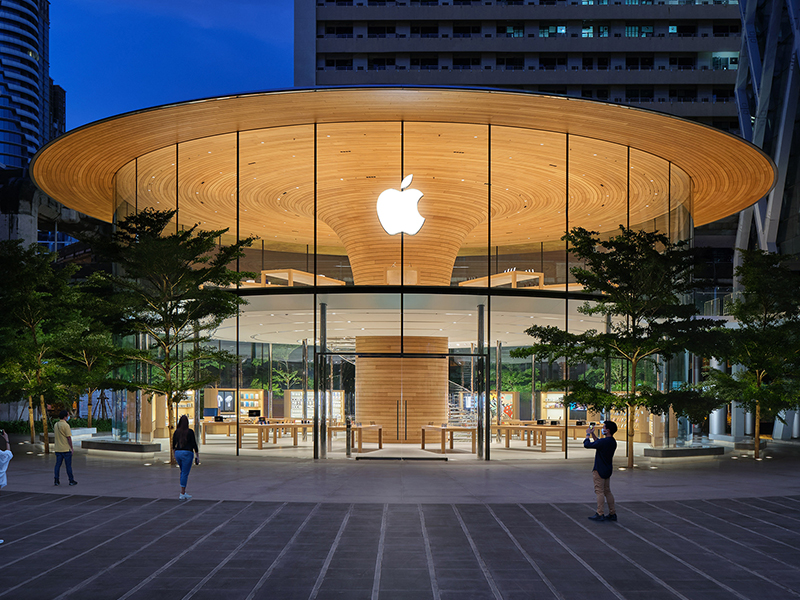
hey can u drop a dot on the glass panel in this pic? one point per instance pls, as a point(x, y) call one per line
point(125, 188)
point(356, 162)
point(650, 188)
point(284, 201)
point(680, 204)
point(528, 208)
point(454, 184)
point(156, 185)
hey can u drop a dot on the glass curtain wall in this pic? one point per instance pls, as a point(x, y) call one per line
point(401, 306)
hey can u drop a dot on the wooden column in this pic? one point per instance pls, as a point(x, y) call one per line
point(401, 394)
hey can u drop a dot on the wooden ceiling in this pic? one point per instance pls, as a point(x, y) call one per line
point(369, 138)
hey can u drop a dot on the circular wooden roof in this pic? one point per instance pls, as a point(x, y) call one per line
point(367, 139)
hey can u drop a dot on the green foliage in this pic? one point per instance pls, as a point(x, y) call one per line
point(686, 401)
point(640, 279)
point(173, 288)
point(765, 340)
point(38, 304)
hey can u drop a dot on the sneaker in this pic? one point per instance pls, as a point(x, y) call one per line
point(56, 482)
point(73, 482)
point(612, 517)
point(597, 517)
point(184, 497)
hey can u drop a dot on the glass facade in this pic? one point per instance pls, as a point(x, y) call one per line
point(350, 321)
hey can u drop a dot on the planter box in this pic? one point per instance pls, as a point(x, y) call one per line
point(687, 452)
point(112, 447)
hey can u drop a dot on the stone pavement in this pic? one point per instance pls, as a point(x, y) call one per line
point(285, 529)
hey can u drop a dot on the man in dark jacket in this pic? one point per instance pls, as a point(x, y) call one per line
point(604, 448)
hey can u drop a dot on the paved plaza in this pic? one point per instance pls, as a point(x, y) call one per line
point(285, 528)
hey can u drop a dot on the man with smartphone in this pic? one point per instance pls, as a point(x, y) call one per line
point(604, 449)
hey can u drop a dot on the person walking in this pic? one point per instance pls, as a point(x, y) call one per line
point(63, 438)
point(184, 444)
point(5, 458)
point(604, 449)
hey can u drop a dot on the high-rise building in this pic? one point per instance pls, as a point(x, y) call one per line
point(768, 91)
point(24, 80)
point(675, 56)
point(32, 112)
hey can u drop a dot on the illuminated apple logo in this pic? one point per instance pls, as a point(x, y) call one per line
point(397, 209)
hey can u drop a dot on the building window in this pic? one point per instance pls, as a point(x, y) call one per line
point(726, 30)
point(724, 60)
point(588, 63)
point(339, 31)
point(683, 95)
point(465, 31)
point(682, 63)
point(380, 63)
point(639, 94)
point(516, 30)
point(683, 31)
point(602, 31)
point(554, 30)
point(425, 31)
point(425, 63)
point(466, 62)
point(631, 31)
point(552, 63)
point(380, 31)
point(339, 64)
point(587, 30)
point(647, 31)
point(511, 62)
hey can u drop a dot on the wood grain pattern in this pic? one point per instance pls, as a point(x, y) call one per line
point(401, 394)
point(445, 144)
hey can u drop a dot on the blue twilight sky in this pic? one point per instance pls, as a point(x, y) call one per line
point(115, 56)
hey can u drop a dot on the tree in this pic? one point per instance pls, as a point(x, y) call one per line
point(38, 304)
point(765, 340)
point(92, 357)
point(173, 288)
point(640, 279)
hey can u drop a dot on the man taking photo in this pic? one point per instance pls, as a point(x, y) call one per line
point(604, 449)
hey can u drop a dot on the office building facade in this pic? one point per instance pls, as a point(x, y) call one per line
point(32, 112)
point(25, 86)
point(768, 91)
point(678, 57)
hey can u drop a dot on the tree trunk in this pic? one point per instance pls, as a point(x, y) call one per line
point(171, 429)
point(631, 415)
point(89, 406)
point(757, 432)
point(31, 419)
point(44, 424)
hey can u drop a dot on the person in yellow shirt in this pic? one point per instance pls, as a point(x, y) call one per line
point(63, 437)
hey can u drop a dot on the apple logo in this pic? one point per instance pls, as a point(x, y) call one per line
point(397, 209)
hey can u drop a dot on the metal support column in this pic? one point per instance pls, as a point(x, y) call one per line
point(322, 397)
point(480, 388)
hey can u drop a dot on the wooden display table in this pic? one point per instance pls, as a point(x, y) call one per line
point(451, 429)
point(508, 278)
point(360, 429)
point(263, 429)
point(227, 427)
point(537, 434)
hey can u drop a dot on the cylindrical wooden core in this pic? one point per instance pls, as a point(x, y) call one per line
point(401, 394)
